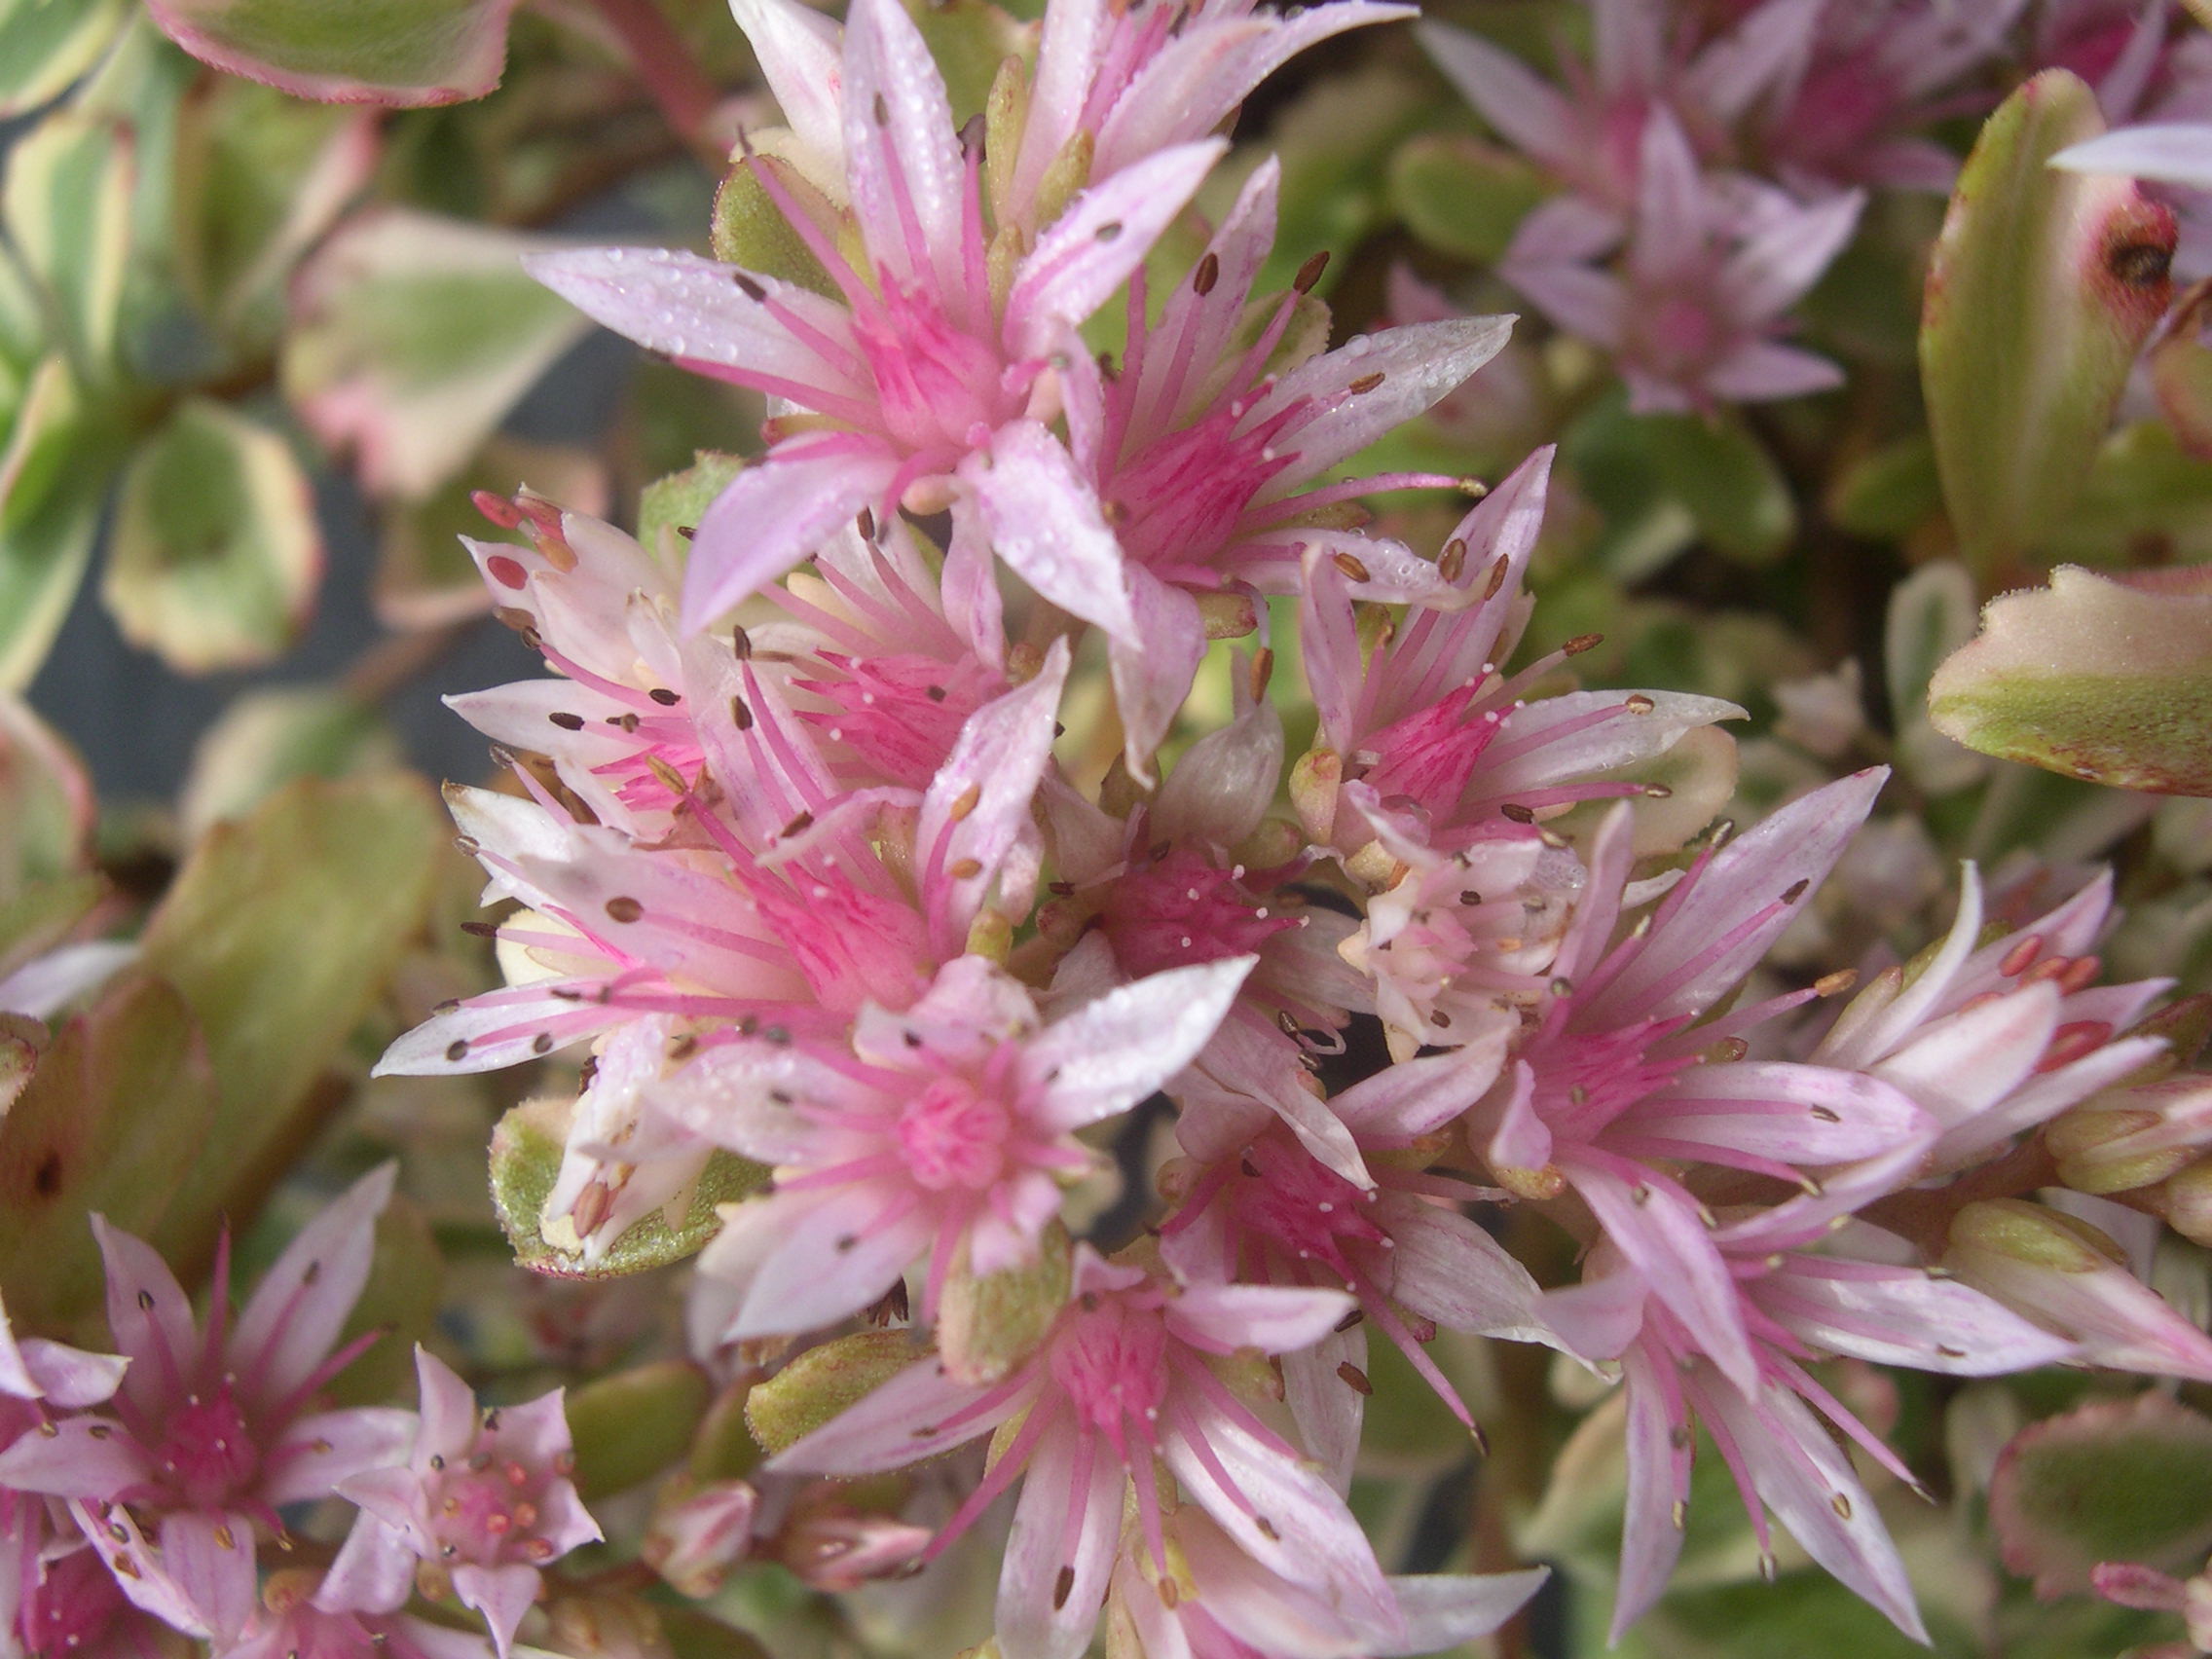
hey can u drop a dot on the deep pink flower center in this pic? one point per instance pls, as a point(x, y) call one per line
point(1428, 756)
point(208, 1454)
point(936, 382)
point(851, 945)
point(487, 1510)
point(953, 1137)
point(1290, 1197)
point(900, 714)
point(1110, 1359)
point(1676, 333)
point(1184, 909)
point(1584, 1081)
point(1178, 501)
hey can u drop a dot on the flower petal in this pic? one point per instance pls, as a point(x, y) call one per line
point(297, 1310)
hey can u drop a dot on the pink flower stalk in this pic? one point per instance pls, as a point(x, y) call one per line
point(485, 1496)
point(926, 384)
point(1212, 1600)
point(942, 1134)
point(1254, 1205)
point(1646, 65)
point(211, 1433)
point(1708, 266)
point(1120, 1388)
point(1205, 448)
point(1431, 734)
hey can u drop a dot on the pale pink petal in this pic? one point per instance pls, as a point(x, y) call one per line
point(500, 1030)
point(1671, 210)
point(1905, 1317)
point(1092, 248)
point(1807, 1480)
point(83, 1458)
point(318, 1452)
point(1221, 1318)
point(1660, 1233)
point(374, 1572)
point(1309, 1537)
point(2044, 1098)
point(1225, 783)
point(1443, 1611)
point(1530, 758)
point(797, 50)
point(1044, 521)
point(447, 1406)
point(1418, 1097)
point(2176, 152)
point(1152, 667)
point(776, 513)
point(1402, 371)
point(894, 1424)
point(699, 310)
point(834, 1254)
point(1600, 1317)
point(1775, 269)
point(1760, 371)
point(209, 1554)
point(502, 1594)
point(147, 1315)
point(66, 1377)
point(1757, 57)
point(1067, 63)
point(1873, 1026)
point(1796, 1114)
point(1328, 1409)
point(1447, 1268)
point(297, 1310)
point(1048, 1594)
point(1504, 91)
point(1658, 1481)
point(976, 810)
point(1771, 869)
point(1111, 1053)
point(1586, 303)
point(902, 158)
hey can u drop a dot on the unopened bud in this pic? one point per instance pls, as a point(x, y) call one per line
point(697, 1535)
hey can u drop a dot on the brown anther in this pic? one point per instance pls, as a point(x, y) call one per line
point(457, 1051)
point(1364, 385)
point(1582, 643)
point(1453, 560)
point(798, 825)
point(1796, 891)
point(1309, 272)
point(747, 286)
point(567, 722)
point(1263, 670)
point(965, 803)
point(1352, 566)
point(964, 869)
point(1354, 1378)
point(622, 909)
point(1639, 704)
point(1206, 274)
point(666, 698)
point(1063, 1588)
point(1500, 567)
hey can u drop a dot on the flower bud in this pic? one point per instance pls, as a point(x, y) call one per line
point(697, 1534)
point(2125, 1138)
point(837, 1550)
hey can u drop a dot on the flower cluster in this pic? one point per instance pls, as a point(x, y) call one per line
point(822, 854)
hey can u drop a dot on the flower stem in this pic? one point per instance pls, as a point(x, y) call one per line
point(685, 95)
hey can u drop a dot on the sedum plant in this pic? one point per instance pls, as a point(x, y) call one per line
point(1189, 948)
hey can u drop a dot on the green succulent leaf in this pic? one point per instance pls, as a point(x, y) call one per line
point(2043, 286)
point(2115, 1480)
point(280, 932)
point(822, 1381)
point(2098, 677)
point(526, 1161)
point(412, 338)
point(400, 53)
point(118, 1105)
point(217, 554)
point(264, 739)
point(47, 44)
point(1463, 197)
point(65, 202)
point(630, 1426)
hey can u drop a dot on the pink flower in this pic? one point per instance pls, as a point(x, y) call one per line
point(1710, 264)
point(211, 1433)
point(942, 1133)
point(1121, 1386)
point(484, 1495)
point(1429, 734)
point(926, 389)
point(1255, 1205)
point(657, 951)
point(1204, 447)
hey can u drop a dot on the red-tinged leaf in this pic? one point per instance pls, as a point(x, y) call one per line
point(2103, 678)
point(400, 53)
point(2041, 290)
point(2115, 1480)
